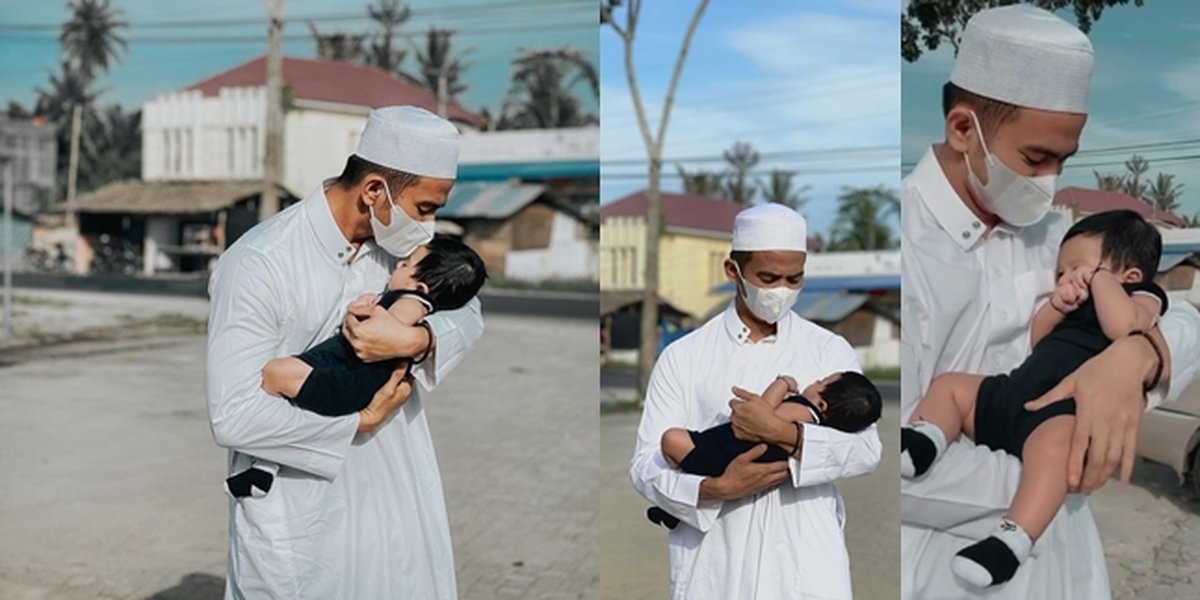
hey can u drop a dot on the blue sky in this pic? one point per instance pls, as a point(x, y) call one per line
point(150, 67)
point(787, 77)
point(1145, 89)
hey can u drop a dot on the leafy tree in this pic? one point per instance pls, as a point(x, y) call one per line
point(927, 24)
point(438, 61)
point(859, 224)
point(708, 184)
point(541, 96)
point(780, 189)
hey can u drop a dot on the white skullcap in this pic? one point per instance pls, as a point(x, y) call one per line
point(769, 227)
point(410, 139)
point(1025, 56)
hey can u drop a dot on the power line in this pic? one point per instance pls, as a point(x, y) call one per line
point(762, 173)
point(817, 153)
point(470, 10)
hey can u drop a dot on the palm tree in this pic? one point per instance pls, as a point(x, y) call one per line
point(1192, 221)
point(67, 89)
point(859, 223)
point(742, 158)
point(541, 96)
point(440, 69)
point(389, 15)
point(1163, 194)
point(90, 39)
point(112, 147)
point(708, 184)
point(344, 47)
point(1109, 182)
point(1137, 167)
point(778, 189)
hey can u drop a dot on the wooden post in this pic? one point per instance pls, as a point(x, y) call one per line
point(273, 159)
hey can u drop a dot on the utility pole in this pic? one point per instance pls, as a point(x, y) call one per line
point(9, 243)
point(73, 165)
point(273, 157)
point(441, 92)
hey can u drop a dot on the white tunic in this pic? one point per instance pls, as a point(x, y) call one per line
point(967, 302)
point(349, 516)
point(780, 544)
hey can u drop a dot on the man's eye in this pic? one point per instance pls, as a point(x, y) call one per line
point(1033, 162)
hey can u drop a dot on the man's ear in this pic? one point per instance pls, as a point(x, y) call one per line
point(960, 129)
point(373, 189)
point(731, 271)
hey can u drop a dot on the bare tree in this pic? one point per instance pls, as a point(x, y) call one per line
point(653, 142)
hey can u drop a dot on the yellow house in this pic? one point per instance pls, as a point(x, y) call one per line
point(694, 243)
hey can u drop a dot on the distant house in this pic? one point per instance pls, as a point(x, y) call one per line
point(692, 249)
point(523, 231)
point(1077, 202)
point(214, 130)
point(33, 148)
point(202, 155)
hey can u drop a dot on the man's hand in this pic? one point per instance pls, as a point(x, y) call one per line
point(381, 336)
point(1109, 405)
point(744, 477)
point(387, 400)
point(754, 420)
point(363, 304)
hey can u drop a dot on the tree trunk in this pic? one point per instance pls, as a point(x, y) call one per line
point(73, 164)
point(648, 347)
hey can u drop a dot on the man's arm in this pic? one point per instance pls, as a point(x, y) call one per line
point(827, 454)
point(244, 333)
point(676, 492)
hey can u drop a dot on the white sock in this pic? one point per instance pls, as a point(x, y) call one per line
point(917, 455)
point(994, 559)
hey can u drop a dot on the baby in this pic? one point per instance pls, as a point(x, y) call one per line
point(329, 379)
point(845, 401)
point(1104, 292)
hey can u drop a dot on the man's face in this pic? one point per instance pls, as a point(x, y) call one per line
point(419, 201)
point(1031, 143)
point(769, 268)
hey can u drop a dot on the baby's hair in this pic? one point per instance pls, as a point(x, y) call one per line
point(852, 402)
point(1127, 239)
point(452, 271)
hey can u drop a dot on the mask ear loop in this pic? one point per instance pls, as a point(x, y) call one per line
point(388, 191)
point(979, 130)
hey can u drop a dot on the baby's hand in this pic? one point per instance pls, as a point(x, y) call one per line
point(362, 305)
point(1067, 295)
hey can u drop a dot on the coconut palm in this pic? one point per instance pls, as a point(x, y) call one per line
point(1134, 184)
point(345, 47)
point(779, 189)
point(1109, 182)
point(708, 184)
point(111, 150)
point(541, 96)
point(859, 224)
point(90, 39)
point(742, 158)
point(1163, 194)
point(439, 66)
point(66, 89)
point(389, 15)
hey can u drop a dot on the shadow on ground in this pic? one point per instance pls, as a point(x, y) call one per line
point(193, 586)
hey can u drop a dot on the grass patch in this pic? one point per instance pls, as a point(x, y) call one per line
point(884, 374)
point(589, 286)
point(620, 406)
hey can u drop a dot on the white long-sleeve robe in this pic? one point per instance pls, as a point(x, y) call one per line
point(787, 542)
point(349, 516)
point(967, 302)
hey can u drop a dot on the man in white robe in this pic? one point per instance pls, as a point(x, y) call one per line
point(356, 509)
point(771, 531)
point(978, 255)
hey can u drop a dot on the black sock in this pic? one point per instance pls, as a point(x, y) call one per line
point(919, 449)
point(243, 484)
point(659, 516)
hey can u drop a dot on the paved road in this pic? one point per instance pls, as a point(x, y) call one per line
point(112, 482)
point(633, 553)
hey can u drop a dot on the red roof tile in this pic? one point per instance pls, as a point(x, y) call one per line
point(685, 212)
point(1090, 201)
point(339, 82)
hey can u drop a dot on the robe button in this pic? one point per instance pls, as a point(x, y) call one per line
point(966, 235)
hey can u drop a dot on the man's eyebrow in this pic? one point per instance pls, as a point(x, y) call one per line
point(1051, 152)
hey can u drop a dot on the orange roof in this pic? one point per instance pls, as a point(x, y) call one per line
point(338, 82)
point(684, 212)
point(1093, 201)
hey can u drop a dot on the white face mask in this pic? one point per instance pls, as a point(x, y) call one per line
point(768, 304)
point(404, 234)
point(1018, 200)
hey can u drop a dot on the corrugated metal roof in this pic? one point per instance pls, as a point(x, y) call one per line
point(834, 283)
point(829, 307)
point(168, 197)
point(483, 200)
